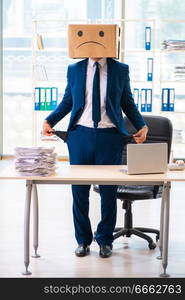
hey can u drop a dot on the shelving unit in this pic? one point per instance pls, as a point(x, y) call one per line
point(135, 55)
point(49, 66)
point(168, 60)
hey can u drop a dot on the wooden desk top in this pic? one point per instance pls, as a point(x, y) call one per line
point(102, 174)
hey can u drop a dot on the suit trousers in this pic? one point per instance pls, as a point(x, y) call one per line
point(94, 146)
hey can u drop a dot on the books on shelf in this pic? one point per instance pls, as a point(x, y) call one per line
point(45, 98)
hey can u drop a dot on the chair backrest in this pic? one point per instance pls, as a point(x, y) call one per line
point(160, 131)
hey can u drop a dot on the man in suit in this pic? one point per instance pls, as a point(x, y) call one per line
point(95, 136)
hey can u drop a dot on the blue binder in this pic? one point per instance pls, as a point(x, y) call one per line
point(143, 100)
point(149, 69)
point(48, 98)
point(165, 96)
point(136, 96)
point(54, 97)
point(37, 98)
point(42, 98)
point(171, 99)
point(148, 100)
point(148, 38)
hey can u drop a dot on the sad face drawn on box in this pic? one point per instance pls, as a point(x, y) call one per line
point(93, 40)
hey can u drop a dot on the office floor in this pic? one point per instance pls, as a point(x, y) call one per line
point(131, 257)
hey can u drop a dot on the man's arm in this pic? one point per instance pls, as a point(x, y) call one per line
point(61, 111)
point(131, 111)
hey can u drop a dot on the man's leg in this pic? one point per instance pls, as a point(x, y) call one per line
point(83, 231)
point(81, 152)
point(110, 145)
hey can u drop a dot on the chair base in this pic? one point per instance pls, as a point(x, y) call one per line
point(138, 231)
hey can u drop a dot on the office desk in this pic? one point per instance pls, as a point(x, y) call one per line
point(88, 174)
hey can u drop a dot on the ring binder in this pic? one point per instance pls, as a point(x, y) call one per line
point(168, 99)
point(42, 98)
point(171, 98)
point(143, 100)
point(148, 38)
point(48, 98)
point(149, 69)
point(37, 98)
point(148, 100)
point(136, 96)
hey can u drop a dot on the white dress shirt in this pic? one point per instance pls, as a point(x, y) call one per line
point(86, 117)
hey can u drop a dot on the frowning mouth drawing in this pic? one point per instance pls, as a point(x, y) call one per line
point(90, 42)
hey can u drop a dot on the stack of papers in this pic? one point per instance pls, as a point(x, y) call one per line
point(173, 45)
point(179, 72)
point(40, 161)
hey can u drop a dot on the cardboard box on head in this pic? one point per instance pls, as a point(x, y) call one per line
point(94, 40)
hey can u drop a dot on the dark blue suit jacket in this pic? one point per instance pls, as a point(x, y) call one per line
point(119, 97)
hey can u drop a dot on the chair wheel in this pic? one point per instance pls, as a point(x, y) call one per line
point(152, 246)
point(157, 238)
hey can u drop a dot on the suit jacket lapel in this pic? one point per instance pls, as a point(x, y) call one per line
point(82, 79)
point(110, 72)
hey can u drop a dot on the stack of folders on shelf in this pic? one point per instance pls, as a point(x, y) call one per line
point(179, 72)
point(173, 45)
point(46, 98)
point(168, 99)
point(40, 161)
point(143, 99)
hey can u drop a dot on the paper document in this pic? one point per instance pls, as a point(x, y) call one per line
point(40, 161)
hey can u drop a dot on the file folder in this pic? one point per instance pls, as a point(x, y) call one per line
point(148, 100)
point(54, 97)
point(171, 99)
point(149, 69)
point(165, 99)
point(148, 38)
point(37, 98)
point(42, 98)
point(48, 98)
point(136, 96)
point(143, 100)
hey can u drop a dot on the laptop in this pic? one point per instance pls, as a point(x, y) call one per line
point(147, 158)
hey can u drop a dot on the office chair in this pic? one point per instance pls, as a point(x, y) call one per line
point(160, 130)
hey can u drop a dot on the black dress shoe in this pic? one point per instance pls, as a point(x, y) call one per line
point(82, 250)
point(105, 251)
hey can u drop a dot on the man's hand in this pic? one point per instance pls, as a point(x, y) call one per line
point(140, 136)
point(46, 129)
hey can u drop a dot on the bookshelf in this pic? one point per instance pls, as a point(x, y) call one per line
point(49, 65)
point(172, 75)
